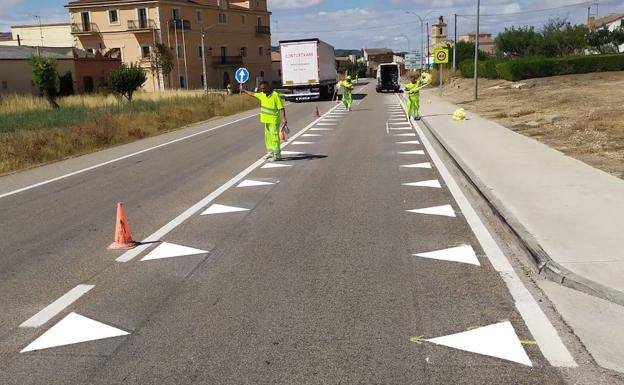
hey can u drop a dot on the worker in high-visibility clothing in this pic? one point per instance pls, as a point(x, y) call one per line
point(347, 92)
point(413, 96)
point(273, 115)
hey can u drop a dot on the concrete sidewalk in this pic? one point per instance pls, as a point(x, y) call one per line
point(569, 214)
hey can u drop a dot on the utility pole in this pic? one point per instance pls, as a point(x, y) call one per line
point(186, 80)
point(428, 45)
point(476, 59)
point(40, 29)
point(455, 44)
point(203, 35)
point(177, 50)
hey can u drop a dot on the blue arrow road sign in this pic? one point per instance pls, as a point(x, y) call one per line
point(242, 75)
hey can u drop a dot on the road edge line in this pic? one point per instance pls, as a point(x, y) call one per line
point(56, 307)
point(549, 341)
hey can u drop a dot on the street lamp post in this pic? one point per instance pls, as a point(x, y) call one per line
point(422, 22)
point(476, 58)
point(203, 35)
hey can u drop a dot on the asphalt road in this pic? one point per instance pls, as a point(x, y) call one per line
point(316, 283)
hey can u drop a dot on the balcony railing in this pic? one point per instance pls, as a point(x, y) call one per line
point(141, 25)
point(180, 24)
point(263, 30)
point(84, 28)
point(227, 60)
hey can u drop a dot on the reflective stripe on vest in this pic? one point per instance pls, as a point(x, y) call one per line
point(272, 112)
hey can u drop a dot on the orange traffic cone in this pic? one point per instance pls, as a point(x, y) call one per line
point(123, 235)
point(318, 115)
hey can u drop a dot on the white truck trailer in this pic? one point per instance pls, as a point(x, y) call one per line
point(308, 69)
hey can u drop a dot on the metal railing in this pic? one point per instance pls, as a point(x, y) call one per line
point(180, 24)
point(84, 28)
point(227, 60)
point(141, 24)
point(263, 30)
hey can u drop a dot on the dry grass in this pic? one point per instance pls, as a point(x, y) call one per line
point(27, 148)
point(590, 125)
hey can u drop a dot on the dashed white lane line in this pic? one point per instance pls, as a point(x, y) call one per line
point(539, 325)
point(275, 165)
point(408, 134)
point(160, 233)
point(303, 143)
point(56, 307)
point(409, 142)
point(45, 182)
point(415, 152)
point(311, 135)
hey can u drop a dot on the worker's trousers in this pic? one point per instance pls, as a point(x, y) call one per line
point(272, 140)
point(347, 99)
point(413, 105)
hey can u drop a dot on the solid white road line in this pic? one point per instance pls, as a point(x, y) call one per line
point(120, 158)
point(539, 325)
point(155, 237)
point(56, 307)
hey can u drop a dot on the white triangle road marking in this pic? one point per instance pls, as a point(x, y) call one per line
point(311, 135)
point(73, 329)
point(302, 142)
point(326, 124)
point(498, 340)
point(400, 128)
point(461, 254)
point(409, 134)
point(321, 129)
point(254, 183)
point(171, 250)
point(417, 165)
point(409, 142)
point(426, 183)
point(445, 210)
point(276, 165)
point(222, 209)
point(414, 152)
point(292, 153)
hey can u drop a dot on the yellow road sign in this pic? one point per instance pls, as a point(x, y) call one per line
point(441, 56)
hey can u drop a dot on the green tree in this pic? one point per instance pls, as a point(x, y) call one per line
point(560, 38)
point(518, 41)
point(465, 51)
point(125, 80)
point(605, 41)
point(46, 78)
point(161, 61)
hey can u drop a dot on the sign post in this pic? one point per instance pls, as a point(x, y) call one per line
point(441, 57)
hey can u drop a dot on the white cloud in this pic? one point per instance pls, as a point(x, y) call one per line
point(6, 6)
point(288, 4)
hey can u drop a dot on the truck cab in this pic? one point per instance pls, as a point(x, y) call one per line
point(388, 77)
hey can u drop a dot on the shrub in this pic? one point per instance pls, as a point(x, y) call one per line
point(125, 80)
point(45, 77)
point(519, 69)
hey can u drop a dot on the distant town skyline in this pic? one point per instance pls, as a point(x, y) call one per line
point(351, 24)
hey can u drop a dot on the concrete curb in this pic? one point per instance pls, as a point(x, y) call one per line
point(545, 265)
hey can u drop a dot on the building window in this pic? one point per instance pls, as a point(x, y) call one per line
point(200, 16)
point(176, 13)
point(201, 78)
point(222, 18)
point(113, 16)
point(199, 52)
point(262, 74)
point(145, 51)
point(261, 51)
point(243, 19)
point(182, 81)
point(243, 51)
point(180, 51)
point(259, 22)
point(224, 51)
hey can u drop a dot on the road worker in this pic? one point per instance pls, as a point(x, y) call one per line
point(347, 92)
point(273, 116)
point(417, 82)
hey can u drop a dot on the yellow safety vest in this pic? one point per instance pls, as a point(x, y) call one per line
point(270, 107)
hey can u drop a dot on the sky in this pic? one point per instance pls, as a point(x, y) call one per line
point(356, 24)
